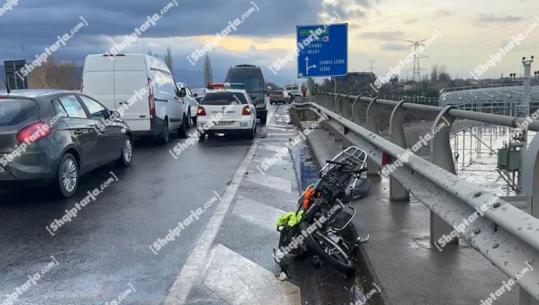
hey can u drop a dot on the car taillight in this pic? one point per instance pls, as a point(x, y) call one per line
point(246, 110)
point(151, 99)
point(201, 111)
point(33, 132)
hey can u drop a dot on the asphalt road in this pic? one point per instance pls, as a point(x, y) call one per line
point(102, 254)
point(104, 251)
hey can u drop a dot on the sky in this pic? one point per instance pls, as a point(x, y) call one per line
point(469, 32)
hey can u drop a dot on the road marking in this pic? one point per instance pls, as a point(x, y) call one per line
point(239, 281)
point(273, 148)
point(257, 212)
point(194, 266)
point(277, 183)
point(276, 134)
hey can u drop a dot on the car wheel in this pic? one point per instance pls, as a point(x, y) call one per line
point(201, 137)
point(182, 132)
point(194, 120)
point(164, 137)
point(67, 177)
point(251, 135)
point(127, 154)
point(263, 118)
point(188, 120)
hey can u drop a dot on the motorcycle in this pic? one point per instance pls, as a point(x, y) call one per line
point(322, 224)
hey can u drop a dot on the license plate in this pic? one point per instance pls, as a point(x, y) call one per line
point(226, 123)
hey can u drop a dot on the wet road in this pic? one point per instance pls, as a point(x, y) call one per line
point(226, 192)
point(103, 253)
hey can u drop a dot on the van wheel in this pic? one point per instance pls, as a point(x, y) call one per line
point(164, 137)
point(182, 131)
point(67, 177)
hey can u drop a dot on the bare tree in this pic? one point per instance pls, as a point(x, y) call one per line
point(168, 60)
point(208, 73)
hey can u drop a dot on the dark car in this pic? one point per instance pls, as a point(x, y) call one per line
point(56, 136)
point(278, 97)
point(253, 80)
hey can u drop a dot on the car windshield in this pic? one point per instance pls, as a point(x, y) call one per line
point(250, 83)
point(15, 111)
point(224, 99)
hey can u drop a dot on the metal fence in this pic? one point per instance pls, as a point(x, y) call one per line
point(506, 235)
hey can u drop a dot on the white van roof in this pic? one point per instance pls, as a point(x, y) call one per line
point(129, 62)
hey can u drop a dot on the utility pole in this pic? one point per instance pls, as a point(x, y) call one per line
point(523, 112)
point(371, 62)
point(527, 63)
point(416, 45)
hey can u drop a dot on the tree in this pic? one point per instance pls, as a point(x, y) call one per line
point(311, 84)
point(54, 75)
point(168, 60)
point(208, 73)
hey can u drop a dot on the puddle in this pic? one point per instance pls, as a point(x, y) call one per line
point(305, 165)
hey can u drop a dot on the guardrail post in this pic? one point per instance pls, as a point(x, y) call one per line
point(338, 104)
point(442, 156)
point(356, 116)
point(372, 167)
point(530, 187)
point(396, 121)
point(347, 108)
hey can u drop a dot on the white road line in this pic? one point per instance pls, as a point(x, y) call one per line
point(257, 212)
point(193, 268)
point(239, 281)
point(273, 148)
point(277, 183)
point(282, 134)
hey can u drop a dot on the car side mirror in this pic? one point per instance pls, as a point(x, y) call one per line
point(113, 114)
point(195, 95)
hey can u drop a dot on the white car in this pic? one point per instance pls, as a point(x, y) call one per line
point(226, 112)
point(142, 89)
point(188, 96)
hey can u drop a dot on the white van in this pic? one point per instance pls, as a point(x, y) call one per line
point(142, 89)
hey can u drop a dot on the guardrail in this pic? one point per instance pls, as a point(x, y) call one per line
point(507, 236)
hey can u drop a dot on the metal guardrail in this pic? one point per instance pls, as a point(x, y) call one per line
point(507, 236)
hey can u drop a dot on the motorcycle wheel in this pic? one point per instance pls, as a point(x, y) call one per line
point(329, 251)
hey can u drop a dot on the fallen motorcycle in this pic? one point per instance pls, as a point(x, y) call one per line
point(322, 224)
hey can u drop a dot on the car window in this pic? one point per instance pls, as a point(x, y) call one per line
point(224, 98)
point(182, 92)
point(58, 109)
point(72, 106)
point(15, 111)
point(96, 110)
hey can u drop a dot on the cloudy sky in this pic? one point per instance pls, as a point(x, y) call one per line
point(470, 30)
